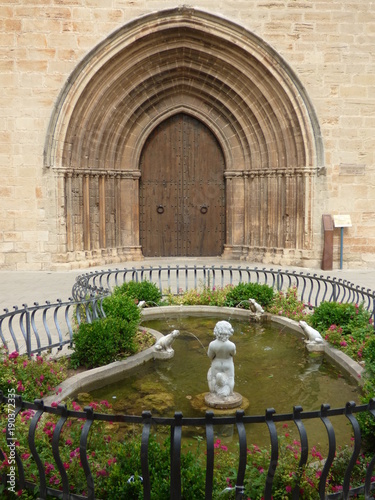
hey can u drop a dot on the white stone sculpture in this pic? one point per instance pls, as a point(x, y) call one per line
point(256, 310)
point(255, 307)
point(165, 343)
point(220, 376)
point(311, 334)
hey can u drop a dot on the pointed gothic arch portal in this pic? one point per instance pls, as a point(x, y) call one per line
point(230, 84)
point(182, 196)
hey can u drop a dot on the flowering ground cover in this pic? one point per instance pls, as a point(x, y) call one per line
point(113, 451)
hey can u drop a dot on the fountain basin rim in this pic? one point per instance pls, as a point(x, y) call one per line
point(97, 378)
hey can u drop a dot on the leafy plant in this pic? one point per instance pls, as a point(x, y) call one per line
point(347, 316)
point(122, 306)
point(125, 478)
point(30, 378)
point(287, 304)
point(101, 450)
point(348, 327)
point(143, 290)
point(240, 294)
point(204, 296)
point(102, 342)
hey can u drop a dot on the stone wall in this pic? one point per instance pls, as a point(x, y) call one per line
point(328, 44)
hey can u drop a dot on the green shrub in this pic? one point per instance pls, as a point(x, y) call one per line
point(144, 290)
point(101, 342)
point(122, 306)
point(287, 304)
point(203, 296)
point(345, 326)
point(263, 294)
point(125, 478)
point(106, 340)
point(30, 378)
point(346, 316)
point(349, 328)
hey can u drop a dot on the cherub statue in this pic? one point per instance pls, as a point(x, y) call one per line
point(220, 376)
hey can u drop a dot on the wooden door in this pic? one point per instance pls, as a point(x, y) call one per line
point(182, 195)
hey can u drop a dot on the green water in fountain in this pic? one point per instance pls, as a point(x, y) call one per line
point(272, 369)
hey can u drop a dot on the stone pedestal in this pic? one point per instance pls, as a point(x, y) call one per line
point(199, 403)
point(222, 403)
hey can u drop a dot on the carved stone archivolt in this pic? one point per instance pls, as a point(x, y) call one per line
point(185, 61)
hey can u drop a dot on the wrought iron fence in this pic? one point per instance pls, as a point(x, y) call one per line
point(51, 325)
point(312, 289)
point(41, 327)
point(46, 326)
point(176, 425)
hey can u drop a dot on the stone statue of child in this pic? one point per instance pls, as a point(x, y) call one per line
point(220, 376)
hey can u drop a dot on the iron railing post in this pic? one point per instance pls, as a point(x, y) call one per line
point(278, 287)
point(28, 331)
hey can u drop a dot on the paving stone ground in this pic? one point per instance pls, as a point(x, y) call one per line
point(20, 287)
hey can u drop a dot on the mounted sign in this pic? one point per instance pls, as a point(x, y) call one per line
point(342, 221)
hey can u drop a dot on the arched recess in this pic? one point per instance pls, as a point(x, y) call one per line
point(168, 62)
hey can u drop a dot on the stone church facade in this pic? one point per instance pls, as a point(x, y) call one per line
point(146, 128)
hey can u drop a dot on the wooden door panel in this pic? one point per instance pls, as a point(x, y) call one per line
point(204, 194)
point(182, 195)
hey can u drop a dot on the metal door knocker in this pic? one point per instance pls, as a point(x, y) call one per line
point(160, 209)
point(204, 209)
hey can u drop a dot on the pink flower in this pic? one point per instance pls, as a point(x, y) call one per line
point(13, 355)
point(49, 467)
point(288, 489)
point(343, 343)
point(76, 406)
point(101, 472)
point(20, 387)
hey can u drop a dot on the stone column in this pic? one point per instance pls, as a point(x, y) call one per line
point(129, 213)
point(69, 211)
point(235, 214)
point(102, 212)
point(86, 212)
point(61, 217)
